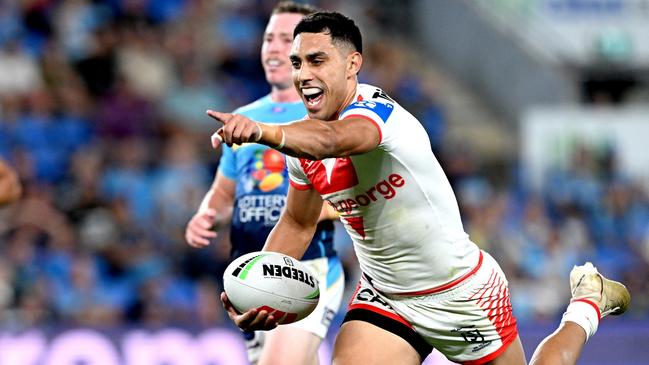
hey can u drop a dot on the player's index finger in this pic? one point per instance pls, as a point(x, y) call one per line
point(221, 117)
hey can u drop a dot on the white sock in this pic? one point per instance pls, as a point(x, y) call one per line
point(583, 313)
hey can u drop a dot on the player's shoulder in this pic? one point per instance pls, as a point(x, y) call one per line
point(367, 92)
point(372, 99)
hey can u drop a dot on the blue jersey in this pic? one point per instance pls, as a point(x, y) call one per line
point(262, 183)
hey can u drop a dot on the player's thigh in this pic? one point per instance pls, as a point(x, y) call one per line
point(332, 286)
point(360, 342)
point(513, 355)
point(290, 345)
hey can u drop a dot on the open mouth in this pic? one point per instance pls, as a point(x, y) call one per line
point(273, 63)
point(313, 95)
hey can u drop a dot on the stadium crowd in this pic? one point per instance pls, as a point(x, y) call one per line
point(102, 113)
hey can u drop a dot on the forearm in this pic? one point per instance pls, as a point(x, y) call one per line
point(297, 224)
point(220, 198)
point(312, 139)
point(289, 238)
point(316, 139)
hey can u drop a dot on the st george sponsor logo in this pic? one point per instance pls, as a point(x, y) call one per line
point(288, 272)
point(385, 189)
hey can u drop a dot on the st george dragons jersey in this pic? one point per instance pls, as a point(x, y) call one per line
point(262, 183)
point(394, 201)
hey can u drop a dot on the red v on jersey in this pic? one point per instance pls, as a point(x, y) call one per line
point(331, 175)
point(357, 224)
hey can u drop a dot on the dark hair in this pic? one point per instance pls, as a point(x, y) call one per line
point(340, 27)
point(294, 8)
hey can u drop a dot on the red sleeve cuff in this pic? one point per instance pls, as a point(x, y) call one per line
point(299, 186)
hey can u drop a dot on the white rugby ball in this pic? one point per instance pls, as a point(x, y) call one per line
point(274, 282)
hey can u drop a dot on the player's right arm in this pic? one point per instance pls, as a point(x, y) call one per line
point(10, 189)
point(311, 138)
point(215, 210)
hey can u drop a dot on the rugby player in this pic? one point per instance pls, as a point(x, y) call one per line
point(425, 285)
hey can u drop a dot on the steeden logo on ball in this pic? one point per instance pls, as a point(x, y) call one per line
point(274, 282)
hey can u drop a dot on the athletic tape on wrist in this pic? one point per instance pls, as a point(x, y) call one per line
point(283, 142)
point(261, 133)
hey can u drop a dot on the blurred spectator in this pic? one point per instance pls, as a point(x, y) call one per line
point(185, 104)
point(82, 299)
point(10, 188)
point(143, 63)
point(126, 179)
point(98, 69)
point(75, 21)
point(124, 114)
point(20, 73)
point(178, 184)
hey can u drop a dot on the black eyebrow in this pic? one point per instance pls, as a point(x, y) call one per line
point(309, 57)
point(314, 55)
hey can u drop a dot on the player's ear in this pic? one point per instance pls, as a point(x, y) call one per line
point(354, 63)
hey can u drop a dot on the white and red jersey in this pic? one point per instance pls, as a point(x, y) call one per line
point(395, 202)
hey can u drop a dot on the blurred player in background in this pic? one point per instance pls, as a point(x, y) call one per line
point(425, 284)
point(250, 191)
point(10, 188)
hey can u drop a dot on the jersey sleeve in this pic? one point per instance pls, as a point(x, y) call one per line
point(379, 112)
point(296, 175)
point(227, 164)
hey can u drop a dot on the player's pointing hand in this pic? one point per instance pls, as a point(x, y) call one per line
point(236, 129)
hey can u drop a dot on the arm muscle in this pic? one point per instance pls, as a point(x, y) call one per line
point(298, 222)
point(316, 139)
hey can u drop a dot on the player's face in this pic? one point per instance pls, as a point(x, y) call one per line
point(324, 74)
point(275, 49)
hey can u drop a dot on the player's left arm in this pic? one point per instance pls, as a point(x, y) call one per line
point(291, 236)
point(297, 224)
point(311, 138)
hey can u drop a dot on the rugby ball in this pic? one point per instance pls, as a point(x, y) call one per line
point(274, 282)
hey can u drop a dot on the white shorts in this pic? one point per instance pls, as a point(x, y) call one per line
point(331, 278)
point(470, 321)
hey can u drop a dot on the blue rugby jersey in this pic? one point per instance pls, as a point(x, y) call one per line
point(262, 184)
